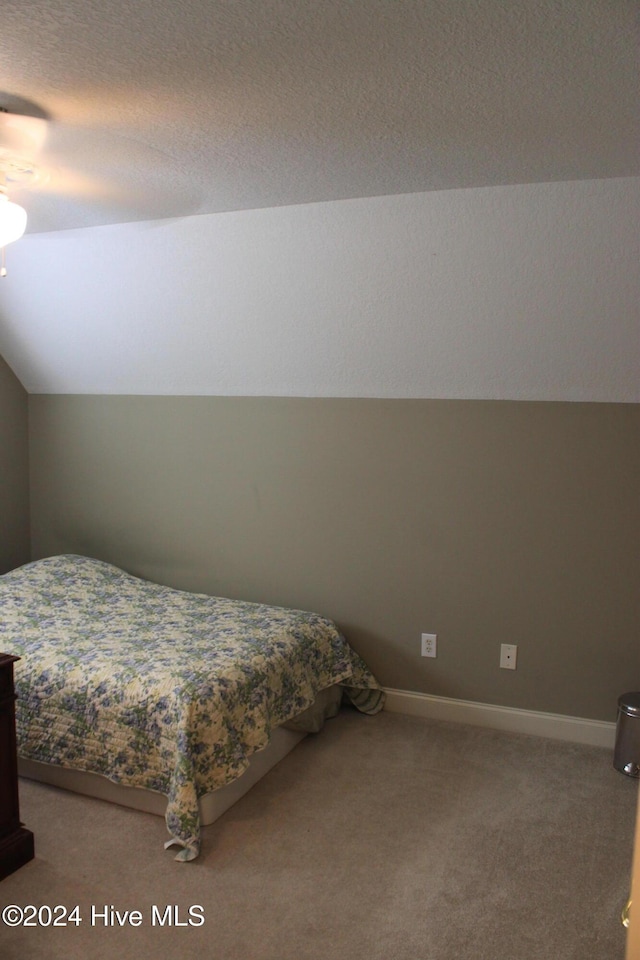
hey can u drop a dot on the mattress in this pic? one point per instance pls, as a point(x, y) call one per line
point(161, 689)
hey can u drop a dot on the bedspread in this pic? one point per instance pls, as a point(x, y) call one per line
point(160, 688)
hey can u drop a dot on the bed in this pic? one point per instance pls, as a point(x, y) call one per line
point(161, 690)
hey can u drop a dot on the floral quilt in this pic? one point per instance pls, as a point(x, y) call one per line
point(160, 688)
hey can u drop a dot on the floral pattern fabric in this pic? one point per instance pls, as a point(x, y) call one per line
point(160, 688)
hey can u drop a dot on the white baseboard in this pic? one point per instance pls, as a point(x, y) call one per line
point(596, 733)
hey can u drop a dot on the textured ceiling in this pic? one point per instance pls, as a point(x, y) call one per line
point(161, 108)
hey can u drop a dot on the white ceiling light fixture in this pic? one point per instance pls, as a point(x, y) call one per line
point(20, 139)
point(13, 219)
point(13, 223)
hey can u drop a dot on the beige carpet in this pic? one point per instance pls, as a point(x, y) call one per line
point(383, 837)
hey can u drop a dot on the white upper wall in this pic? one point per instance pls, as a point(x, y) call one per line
point(514, 292)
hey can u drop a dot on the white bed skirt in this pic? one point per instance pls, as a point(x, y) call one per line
point(212, 805)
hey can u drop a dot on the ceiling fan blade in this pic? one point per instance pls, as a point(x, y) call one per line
point(102, 176)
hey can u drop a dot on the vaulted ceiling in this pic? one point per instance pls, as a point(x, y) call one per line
point(159, 108)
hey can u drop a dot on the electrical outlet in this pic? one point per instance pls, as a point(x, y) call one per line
point(508, 656)
point(429, 644)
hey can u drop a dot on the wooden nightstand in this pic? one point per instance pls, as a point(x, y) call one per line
point(16, 843)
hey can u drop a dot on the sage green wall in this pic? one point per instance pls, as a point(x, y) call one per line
point(14, 471)
point(484, 522)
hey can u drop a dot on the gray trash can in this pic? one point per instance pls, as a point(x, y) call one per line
point(626, 756)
